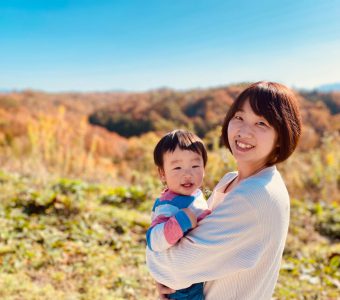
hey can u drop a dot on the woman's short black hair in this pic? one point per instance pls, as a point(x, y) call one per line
point(183, 139)
point(279, 106)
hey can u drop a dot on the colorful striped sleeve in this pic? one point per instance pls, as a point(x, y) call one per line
point(163, 235)
point(169, 222)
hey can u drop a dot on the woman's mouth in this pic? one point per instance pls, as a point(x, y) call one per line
point(243, 146)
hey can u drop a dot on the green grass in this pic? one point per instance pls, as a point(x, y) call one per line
point(68, 239)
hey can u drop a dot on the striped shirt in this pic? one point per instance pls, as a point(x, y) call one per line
point(237, 249)
point(169, 222)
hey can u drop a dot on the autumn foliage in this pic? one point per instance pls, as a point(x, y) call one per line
point(110, 136)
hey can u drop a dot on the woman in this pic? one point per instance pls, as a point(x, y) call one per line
point(237, 249)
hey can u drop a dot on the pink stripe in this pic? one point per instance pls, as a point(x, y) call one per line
point(159, 219)
point(203, 214)
point(172, 231)
point(167, 195)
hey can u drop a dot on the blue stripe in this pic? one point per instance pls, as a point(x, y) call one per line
point(179, 201)
point(183, 221)
point(148, 238)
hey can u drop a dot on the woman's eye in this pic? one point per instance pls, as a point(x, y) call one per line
point(237, 118)
point(262, 123)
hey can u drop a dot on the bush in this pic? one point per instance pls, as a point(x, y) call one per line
point(130, 197)
point(328, 220)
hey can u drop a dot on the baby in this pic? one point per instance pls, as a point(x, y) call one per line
point(181, 158)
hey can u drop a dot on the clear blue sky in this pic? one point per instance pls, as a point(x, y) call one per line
point(60, 45)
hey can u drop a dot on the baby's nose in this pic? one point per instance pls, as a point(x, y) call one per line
point(188, 173)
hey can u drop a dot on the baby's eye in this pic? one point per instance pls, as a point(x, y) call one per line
point(196, 166)
point(177, 168)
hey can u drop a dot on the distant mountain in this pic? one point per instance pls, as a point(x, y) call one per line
point(331, 87)
point(114, 117)
point(5, 91)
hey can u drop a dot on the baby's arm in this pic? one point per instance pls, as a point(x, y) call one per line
point(163, 235)
point(169, 224)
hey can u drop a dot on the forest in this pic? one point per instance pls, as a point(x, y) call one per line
point(77, 183)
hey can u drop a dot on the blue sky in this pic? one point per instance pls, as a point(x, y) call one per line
point(139, 45)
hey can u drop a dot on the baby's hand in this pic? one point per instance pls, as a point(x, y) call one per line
point(191, 216)
point(163, 291)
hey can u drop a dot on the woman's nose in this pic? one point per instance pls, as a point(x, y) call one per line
point(245, 131)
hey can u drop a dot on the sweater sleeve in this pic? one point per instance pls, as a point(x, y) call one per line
point(168, 231)
point(199, 206)
point(169, 222)
point(229, 240)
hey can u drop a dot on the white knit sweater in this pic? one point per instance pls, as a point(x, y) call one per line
point(237, 249)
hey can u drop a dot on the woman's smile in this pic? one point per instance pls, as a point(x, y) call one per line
point(243, 145)
point(252, 139)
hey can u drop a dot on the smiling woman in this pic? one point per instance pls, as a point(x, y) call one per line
point(262, 127)
point(252, 139)
point(237, 249)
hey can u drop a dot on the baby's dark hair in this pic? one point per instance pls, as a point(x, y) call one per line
point(183, 139)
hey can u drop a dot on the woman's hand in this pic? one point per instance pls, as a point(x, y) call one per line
point(163, 291)
point(191, 216)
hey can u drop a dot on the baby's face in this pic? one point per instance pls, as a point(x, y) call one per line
point(183, 171)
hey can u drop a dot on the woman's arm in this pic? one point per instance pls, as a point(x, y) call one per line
point(229, 240)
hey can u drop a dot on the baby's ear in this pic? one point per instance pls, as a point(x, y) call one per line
point(161, 174)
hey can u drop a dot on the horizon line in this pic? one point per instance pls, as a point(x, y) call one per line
point(160, 88)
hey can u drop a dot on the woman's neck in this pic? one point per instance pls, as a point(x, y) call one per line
point(247, 171)
point(243, 173)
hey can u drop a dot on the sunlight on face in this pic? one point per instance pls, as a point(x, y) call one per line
point(183, 171)
point(251, 137)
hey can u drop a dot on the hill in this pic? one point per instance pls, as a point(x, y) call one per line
point(132, 114)
point(202, 110)
point(331, 87)
point(108, 136)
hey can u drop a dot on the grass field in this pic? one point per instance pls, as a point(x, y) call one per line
point(68, 239)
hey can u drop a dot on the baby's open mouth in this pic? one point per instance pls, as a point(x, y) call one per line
point(187, 185)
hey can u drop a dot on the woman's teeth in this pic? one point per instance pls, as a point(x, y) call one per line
point(244, 146)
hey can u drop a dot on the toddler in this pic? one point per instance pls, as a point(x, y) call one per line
point(181, 158)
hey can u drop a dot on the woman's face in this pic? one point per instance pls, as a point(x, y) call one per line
point(251, 138)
